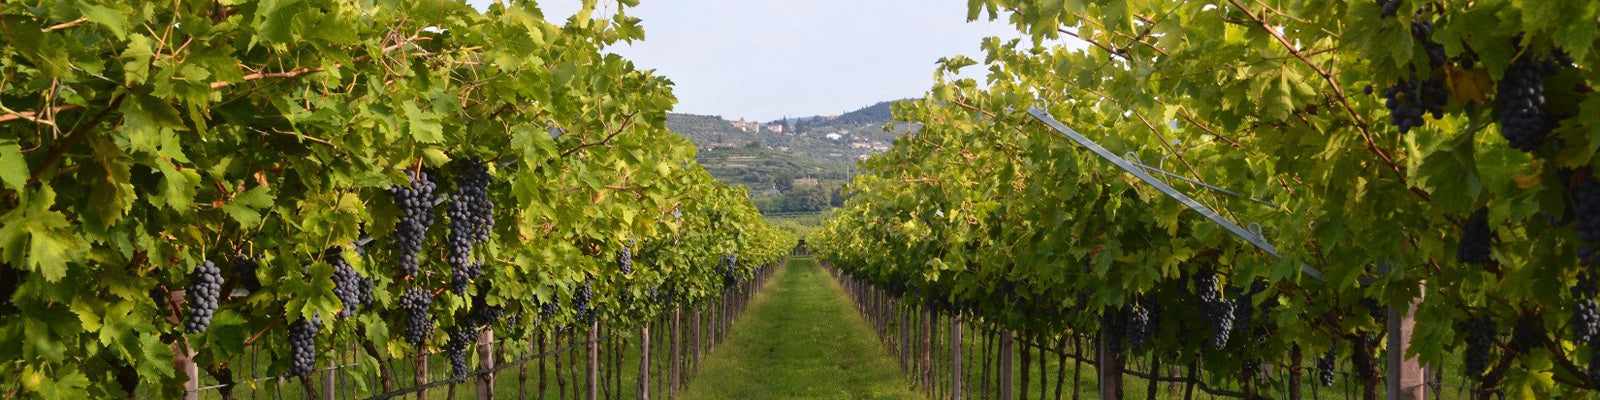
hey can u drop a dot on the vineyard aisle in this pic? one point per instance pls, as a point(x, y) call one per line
point(800, 340)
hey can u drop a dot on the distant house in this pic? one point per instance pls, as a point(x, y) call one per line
point(805, 182)
point(721, 145)
point(834, 136)
point(746, 126)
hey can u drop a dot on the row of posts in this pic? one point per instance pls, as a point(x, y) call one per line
point(1405, 376)
point(706, 332)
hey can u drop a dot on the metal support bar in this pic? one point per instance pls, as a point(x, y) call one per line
point(1135, 161)
point(1254, 238)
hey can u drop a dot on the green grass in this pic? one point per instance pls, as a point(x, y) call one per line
point(800, 339)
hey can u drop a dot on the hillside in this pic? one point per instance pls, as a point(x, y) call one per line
point(810, 156)
point(840, 140)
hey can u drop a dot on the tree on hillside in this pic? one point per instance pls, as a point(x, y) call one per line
point(783, 181)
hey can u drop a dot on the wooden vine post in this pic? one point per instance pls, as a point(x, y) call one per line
point(485, 364)
point(644, 362)
point(592, 373)
point(1006, 352)
point(1407, 379)
point(955, 357)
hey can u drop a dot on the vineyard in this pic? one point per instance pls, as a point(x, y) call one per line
point(1243, 199)
point(350, 199)
point(1162, 199)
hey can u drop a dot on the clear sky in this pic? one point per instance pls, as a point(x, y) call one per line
point(766, 59)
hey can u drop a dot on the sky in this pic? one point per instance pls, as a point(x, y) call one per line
point(763, 60)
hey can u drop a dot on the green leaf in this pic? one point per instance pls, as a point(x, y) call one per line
point(424, 126)
point(178, 188)
point(112, 19)
point(42, 232)
point(13, 168)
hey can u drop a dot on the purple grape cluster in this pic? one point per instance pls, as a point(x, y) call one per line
point(303, 345)
point(354, 290)
point(1139, 325)
point(1389, 7)
point(415, 201)
point(244, 268)
point(1586, 207)
point(581, 298)
point(419, 323)
point(471, 220)
point(1326, 365)
point(730, 271)
point(1524, 122)
point(1213, 307)
point(625, 261)
point(1586, 316)
point(205, 294)
point(461, 338)
point(1408, 100)
point(1527, 334)
point(1476, 238)
point(1422, 30)
point(1480, 333)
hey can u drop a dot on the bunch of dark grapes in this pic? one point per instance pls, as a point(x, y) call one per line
point(244, 269)
point(456, 348)
point(1586, 204)
point(481, 313)
point(205, 293)
point(1325, 366)
point(1527, 333)
point(1422, 30)
point(1141, 323)
point(514, 320)
point(471, 220)
point(1480, 332)
point(1523, 119)
point(1389, 7)
point(354, 290)
point(303, 345)
point(1409, 99)
point(416, 215)
point(662, 296)
point(581, 298)
point(470, 206)
point(547, 311)
point(730, 272)
point(1213, 307)
point(1586, 318)
point(461, 277)
point(1243, 317)
point(419, 323)
point(1476, 238)
point(625, 261)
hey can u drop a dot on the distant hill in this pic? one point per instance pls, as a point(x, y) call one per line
point(817, 149)
point(841, 139)
point(876, 114)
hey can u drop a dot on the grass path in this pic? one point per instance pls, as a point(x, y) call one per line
point(800, 339)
